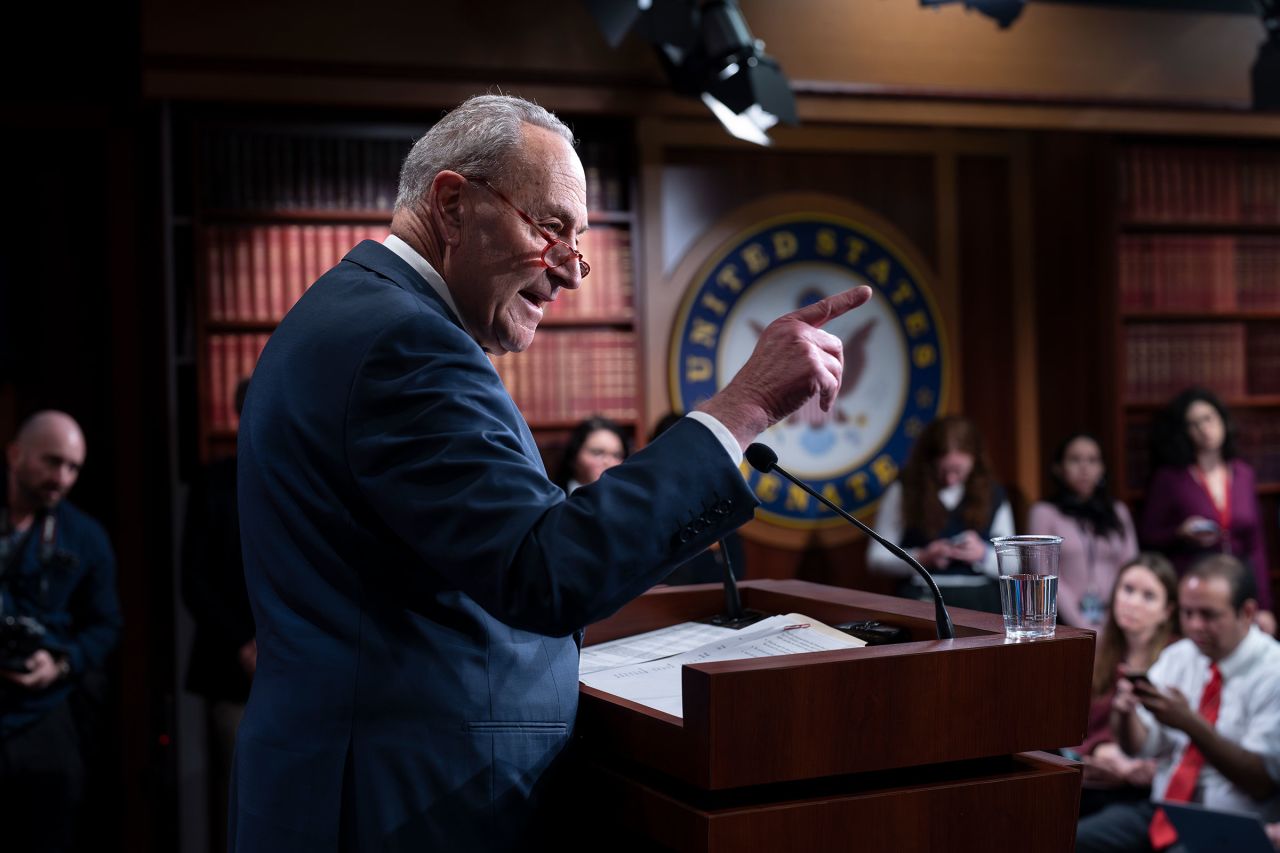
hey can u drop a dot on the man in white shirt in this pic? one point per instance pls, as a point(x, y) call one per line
point(1208, 711)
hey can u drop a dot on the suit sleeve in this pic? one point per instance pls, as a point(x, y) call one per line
point(433, 443)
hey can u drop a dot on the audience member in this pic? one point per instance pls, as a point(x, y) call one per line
point(594, 446)
point(1140, 622)
point(59, 617)
point(1208, 712)
point(708, 566)
point(224, 652)
point(944, 510)
point(1202, 497)
point(1097, 532)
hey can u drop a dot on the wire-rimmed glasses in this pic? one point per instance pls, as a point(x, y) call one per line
point(558, 252)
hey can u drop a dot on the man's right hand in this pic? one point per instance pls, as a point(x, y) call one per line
point(793, 360)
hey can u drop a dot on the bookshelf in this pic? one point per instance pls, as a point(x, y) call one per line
point(1198, 289)
point(276, 204)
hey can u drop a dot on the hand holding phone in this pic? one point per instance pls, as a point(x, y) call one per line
point(1137, 678)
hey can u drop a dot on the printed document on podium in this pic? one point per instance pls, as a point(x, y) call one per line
point(656, 683)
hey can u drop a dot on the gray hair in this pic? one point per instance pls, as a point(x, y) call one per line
point(476, 138)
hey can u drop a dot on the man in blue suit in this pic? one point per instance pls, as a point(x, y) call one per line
point(417, 582)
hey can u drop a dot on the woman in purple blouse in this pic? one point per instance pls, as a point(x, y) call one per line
point(1202, 498)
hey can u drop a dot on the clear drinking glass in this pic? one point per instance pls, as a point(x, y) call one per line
point(1028, 585)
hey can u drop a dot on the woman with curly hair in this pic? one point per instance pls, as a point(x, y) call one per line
point(1202, 497)
point(944, 510)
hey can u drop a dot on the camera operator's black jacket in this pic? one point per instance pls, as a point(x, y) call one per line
point(79, 608)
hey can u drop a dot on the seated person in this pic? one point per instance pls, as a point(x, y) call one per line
point(594, 446)
point(1208, 712)
point(944, 510)
point(1140, 622)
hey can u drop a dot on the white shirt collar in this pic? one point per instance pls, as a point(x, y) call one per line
point(950, 496)
point(424, 269)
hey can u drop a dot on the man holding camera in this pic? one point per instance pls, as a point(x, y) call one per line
point(59, 617)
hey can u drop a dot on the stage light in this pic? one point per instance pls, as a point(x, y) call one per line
point(1005, 12)
point(709, 53)
point(1266, 68)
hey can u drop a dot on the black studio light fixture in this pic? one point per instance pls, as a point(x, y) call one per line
point(708, 53)
point(1005, 12)
point(1266, 68)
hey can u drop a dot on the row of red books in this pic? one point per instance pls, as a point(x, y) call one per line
point(571, 374)
point(1168, 184)
point(1258, 435)
point(257, 272)
point(287, 171)
point(230, 358)
point(1162, 359)
point(606, 188)
point(265, 170)
point(1257, 442)
point(1262, 352)
point(608, 291)
point(1201, 273)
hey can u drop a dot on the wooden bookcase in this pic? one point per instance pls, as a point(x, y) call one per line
point(1198, 291)
point(276, 204)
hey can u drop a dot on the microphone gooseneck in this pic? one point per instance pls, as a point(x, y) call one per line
point(763, 459)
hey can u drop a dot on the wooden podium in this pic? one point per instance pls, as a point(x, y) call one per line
point(925, 745)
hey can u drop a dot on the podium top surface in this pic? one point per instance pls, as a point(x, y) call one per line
point(765, 720)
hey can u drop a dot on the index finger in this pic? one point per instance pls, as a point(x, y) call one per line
point(825, 310)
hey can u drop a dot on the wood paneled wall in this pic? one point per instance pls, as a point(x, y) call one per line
point(955, 198)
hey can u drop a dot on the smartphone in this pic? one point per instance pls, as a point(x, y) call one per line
point(1137, 678)
point(958, 539)
point(1203, 525)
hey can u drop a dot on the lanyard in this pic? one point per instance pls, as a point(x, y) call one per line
point(1223, 511)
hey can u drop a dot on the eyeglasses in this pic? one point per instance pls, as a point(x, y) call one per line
point(558, 252)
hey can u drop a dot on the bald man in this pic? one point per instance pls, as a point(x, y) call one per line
point(59, 617)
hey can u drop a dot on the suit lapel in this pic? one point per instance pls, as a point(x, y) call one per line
point(377, 258)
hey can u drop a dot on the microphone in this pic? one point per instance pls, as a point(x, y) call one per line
point(763, 459)
point(733, 616)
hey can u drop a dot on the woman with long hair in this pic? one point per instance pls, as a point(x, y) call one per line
point(945, 509)
point(1097, 531)
point(1141, 621)
point(1202, 497)
point(595, 445)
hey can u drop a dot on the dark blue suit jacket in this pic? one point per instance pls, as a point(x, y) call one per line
point(417, 580)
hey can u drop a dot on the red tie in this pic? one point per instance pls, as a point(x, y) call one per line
point(1182, 784)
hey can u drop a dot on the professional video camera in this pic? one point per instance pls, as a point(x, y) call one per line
point(20, 638)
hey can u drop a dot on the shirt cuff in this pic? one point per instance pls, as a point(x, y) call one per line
point(722, 434)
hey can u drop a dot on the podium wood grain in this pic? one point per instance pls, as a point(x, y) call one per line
point(906, 735)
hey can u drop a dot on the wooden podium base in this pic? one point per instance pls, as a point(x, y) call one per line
point(928, 745)
point(1027, 801)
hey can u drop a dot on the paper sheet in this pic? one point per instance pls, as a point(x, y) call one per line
point(650, 645)
point(657, 683)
